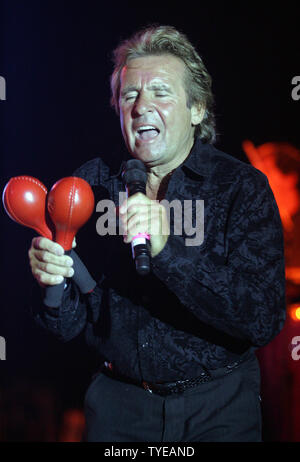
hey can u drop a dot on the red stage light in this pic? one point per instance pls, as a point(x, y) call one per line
point(294, 312)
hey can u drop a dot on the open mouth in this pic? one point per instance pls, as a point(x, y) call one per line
point(147, 132)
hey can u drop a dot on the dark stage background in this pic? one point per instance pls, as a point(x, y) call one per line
point(56, 59)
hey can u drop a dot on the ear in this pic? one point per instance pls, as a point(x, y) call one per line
point(197, 113)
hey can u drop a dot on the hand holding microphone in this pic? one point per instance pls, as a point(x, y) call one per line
point(144, 220)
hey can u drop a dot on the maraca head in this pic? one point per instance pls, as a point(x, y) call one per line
point(24, 199)
point(70, 204)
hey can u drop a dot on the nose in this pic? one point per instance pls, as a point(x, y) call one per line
point(142, 105)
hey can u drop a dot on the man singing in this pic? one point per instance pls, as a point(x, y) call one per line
point(176, 347)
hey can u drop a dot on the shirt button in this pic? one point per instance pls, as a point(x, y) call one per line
point(145, 344)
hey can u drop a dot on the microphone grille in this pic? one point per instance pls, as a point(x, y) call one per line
point(135, 171)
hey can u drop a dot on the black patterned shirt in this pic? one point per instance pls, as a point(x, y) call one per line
point(202, 306)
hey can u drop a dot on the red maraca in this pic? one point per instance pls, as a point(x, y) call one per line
point(70, 204)
point(24, 200)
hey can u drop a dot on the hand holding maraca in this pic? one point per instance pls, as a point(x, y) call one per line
point(48, 263)
point(69, 205)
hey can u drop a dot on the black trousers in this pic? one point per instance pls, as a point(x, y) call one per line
point(226, 409)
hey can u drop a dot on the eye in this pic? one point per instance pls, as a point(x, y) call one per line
point(130, 96)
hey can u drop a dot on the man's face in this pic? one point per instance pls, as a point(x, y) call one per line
point(156, 123)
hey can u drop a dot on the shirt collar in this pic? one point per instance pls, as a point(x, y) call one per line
point(199, 159)
point(119, 172)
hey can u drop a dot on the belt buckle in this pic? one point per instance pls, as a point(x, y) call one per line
point(146, 387)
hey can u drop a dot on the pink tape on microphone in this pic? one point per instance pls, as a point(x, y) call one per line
point(142, 235)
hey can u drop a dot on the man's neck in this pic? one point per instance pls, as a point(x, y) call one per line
point(159, 177)
point(156, 187)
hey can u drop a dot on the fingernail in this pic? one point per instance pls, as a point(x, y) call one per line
point(59, 279)
point(69, 262)
point(59, 251)
point(71, 272)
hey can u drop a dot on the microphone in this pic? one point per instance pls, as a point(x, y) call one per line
point(135, 179)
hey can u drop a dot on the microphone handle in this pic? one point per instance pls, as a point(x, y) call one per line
point(140, 244)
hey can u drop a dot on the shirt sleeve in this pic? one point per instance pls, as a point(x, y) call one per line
point(244, 295)
point(70, 318)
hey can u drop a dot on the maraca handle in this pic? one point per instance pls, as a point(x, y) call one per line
point(82, 278)
point(53, 294)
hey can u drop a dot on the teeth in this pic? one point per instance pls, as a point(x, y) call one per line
point(146, 127)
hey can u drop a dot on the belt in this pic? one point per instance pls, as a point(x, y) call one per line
point(169, 388)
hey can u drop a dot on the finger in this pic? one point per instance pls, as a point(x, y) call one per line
point(140, 209)
point(137, 225)
point(124, 217)
point(155, 224)
point(51, 269)
point(137, 198)
point(146, 213)
point(45, 279)
point(138, 221)
point(47, 257)
point(123, 207)
point(42, 243)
